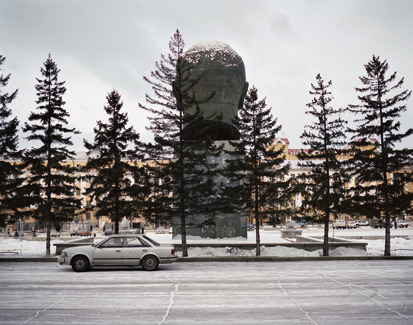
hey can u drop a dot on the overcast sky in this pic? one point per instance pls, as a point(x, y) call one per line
point(103, 45)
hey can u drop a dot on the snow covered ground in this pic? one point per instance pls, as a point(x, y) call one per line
point(401, 244)
point(367, 292)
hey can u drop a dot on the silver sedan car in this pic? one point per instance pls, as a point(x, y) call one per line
point(130, 250)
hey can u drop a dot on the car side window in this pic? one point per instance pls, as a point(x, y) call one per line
point(132, 242)
point(113, 242)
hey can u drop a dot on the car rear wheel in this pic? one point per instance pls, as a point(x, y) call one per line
point(150, 263)
point(80, 264)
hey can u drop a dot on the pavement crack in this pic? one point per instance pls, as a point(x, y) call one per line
point(43, 310)
point(279, 285)
point(171, 299)
point(365, 292)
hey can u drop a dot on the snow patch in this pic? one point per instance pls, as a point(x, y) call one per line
point(399, 246)
point(212, 46)
point(22, 247)
point(346, 251)
point(213, 50)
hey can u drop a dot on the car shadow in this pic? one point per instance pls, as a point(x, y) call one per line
point(118, 268)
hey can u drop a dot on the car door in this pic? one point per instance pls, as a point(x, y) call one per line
point(109, 252)
point(133, 250)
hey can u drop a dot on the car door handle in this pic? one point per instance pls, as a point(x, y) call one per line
point(118, 251)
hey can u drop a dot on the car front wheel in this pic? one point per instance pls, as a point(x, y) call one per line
point(150, 263)
point(80, 264)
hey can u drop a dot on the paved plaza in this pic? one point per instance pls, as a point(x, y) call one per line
point(322, 292)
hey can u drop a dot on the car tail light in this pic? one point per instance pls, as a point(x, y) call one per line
point(172, 252)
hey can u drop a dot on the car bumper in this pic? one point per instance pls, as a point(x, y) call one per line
point(63, 260)
point(168, 259)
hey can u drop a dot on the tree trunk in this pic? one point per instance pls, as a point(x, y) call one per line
point(384, 157)
point(387, 251)
point(183, 215)
point(183, 236)
point(48, 226)
point(325, 242)
point(116, 226)
point(257, 236)
point(257, 221)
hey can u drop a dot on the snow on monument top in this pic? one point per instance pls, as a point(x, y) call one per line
point(214, 50)
point(212, 45)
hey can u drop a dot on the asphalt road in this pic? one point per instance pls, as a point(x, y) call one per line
point(323, 292)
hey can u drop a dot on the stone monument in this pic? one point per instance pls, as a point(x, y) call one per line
point(221, 72)
point(291, 232)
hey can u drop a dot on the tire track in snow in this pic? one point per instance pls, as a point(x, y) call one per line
point(353, 287)
point(171, 299)
point(279, 285)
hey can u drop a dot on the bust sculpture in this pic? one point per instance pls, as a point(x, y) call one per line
point(214, 69)
point(222, 73)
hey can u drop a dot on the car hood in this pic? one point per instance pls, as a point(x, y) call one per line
point(79, 249)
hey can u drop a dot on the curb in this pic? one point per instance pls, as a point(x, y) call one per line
point(289, 259)
point(28, 259)
point(239, 259)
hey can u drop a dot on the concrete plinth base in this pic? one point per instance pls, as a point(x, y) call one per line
point(291, 233)
point(223, 226)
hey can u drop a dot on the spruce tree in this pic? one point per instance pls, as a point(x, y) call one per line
point(182, 166)
point(51, 183)
point(256, 172)
point(323, 188)
point(9, 155)
point(115, 162)
point(379, 167)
